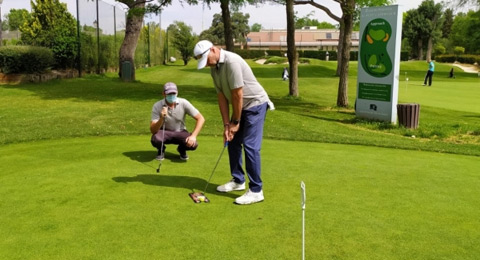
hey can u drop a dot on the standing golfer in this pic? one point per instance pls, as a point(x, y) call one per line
point(429, 76)
point(237, 87)
point(171, 111)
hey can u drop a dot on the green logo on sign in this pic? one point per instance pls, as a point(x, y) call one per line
point(374, 56)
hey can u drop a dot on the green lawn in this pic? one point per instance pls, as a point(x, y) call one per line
point(79, 181)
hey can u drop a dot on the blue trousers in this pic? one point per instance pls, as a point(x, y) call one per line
point(249, 135)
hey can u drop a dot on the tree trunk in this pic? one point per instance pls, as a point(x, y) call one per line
point(340, 46)
point(227, 24)
point(292, 50)
point(429, 48)
point(420, 49)
point(348, 9)
point(132, 33)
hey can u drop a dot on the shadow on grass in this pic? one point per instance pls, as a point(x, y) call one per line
point(148, 156)
point(174, 181)
point(111, 89)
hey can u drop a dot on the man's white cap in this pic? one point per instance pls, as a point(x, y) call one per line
point(202, 48)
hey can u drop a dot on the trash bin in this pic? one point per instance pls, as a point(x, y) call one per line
point(126, 71)
point(408, 115)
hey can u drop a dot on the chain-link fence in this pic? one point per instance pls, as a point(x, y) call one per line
point(102, 30)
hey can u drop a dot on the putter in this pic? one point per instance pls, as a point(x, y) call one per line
point(161, 151)
point(198, 197)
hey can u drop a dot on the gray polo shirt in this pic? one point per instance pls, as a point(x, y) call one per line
point(175, 120)
point(232, 72)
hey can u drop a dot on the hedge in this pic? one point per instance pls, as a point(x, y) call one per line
point(450, 58)
point(25, 59)
point(310, 54)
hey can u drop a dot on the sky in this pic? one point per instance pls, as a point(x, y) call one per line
point(270, 16)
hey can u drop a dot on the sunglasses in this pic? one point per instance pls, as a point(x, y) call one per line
point(200, 55)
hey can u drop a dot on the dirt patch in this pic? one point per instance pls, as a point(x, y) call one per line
point(14, 79)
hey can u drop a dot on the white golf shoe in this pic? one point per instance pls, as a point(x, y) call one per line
point(249, 197)
point(230, 186)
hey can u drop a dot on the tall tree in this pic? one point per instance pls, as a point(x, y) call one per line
point(226, 5)
point(51, 25)
point(465, 31)
point(216, 32)
point(447, 23)
point(348, 10)
point(240, 27)
point(256, 27)
point(432, 12)
point(301, 22)
point(414, 31)
point(227, 24)
point(292, 50)
point(462, 3)
point(133, 27)
point(16, 18)
point(183, 39)
point(422, 27)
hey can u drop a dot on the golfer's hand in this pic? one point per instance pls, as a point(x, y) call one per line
point(226, 134)
point(232, 130)
point(190, 141)
point(164, 112)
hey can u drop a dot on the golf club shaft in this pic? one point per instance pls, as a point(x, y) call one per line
point(219, 157)
point(161, 149)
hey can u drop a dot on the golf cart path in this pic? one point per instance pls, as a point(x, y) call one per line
point(467, 67)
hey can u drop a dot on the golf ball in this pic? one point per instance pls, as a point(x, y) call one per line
point(201, 198)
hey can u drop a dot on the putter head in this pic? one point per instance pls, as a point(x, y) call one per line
point(198, 197)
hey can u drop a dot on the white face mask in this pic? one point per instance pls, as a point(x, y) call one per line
point(171, 98)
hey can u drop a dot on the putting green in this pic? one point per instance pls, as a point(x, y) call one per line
point(101, 198)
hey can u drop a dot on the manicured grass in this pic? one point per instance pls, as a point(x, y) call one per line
point(100, 198)
point(98, 106)
point(79, 182)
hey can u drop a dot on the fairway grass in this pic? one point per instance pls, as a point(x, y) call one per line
point(101, 198)
point(78, 175)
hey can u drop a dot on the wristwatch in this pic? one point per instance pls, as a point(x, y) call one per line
point(235, 121)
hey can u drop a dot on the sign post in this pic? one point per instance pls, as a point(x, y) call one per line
point(304, 197)
point(379, 63)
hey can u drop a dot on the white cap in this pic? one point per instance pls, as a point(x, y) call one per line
point(202, 48)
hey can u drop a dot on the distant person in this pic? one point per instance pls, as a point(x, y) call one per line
point(171, 111)
point(429, 76)
point(451, 74)
point(237, 87)
point(285, 74)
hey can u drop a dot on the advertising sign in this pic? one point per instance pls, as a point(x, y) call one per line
point(379, 63)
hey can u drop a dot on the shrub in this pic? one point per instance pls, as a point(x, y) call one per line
point(25, 59)
point(251, 54)
point(446, 58)
point(404, 55)
point(311, 54)
point(459, 50)
point(278, 53)
point(439, 49)
point(469, 59)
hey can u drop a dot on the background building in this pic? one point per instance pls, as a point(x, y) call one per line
point(307, 38)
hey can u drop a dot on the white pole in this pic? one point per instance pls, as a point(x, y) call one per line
point(302, 186)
